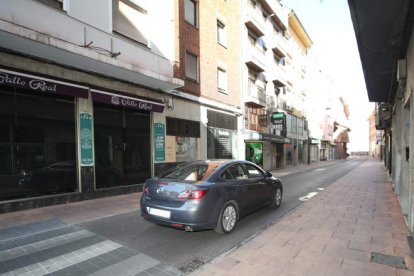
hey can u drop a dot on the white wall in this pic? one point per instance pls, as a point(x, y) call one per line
point(91, 21)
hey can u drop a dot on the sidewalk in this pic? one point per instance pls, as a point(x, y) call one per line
point(337, 232)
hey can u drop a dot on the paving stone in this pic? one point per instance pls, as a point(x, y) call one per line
point(29, 229)
point(131, 266)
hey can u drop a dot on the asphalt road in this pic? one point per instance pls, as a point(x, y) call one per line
point(187, 250)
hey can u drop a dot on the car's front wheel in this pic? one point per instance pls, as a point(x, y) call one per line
point(227, 219)
point(277, 198)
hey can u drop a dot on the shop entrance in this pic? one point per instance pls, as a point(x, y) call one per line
point(122, 146)
point(254, 153)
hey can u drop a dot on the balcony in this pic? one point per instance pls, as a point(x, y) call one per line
point(86, 46)
point(278, 75)
point(279, 15)
point(278, 45)
point(259, 123)
point(281, 104)
point(383, 116)
point(257, 127)
point(254, 20)
point(256, 95)
point(255, 58)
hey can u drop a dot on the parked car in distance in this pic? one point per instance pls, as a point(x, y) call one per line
point(209, 194)
point(61, 177)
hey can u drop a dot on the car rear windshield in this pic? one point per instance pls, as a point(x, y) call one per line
point(190, 172)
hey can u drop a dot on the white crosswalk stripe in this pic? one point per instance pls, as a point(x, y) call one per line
point(43, 245)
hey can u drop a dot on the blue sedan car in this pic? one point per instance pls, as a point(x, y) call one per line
point(209, 194)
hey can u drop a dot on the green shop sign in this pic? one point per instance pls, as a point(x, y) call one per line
point(85, 132)
point(159, 142)
point(278, 118)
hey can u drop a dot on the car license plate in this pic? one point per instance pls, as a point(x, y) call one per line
point(159, 213)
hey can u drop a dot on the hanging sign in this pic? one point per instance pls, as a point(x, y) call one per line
point(278, 118)
point(85, 133)
point(159, 142)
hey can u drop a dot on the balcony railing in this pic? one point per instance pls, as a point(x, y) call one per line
point(256, 58)
point(257, 93)
point(281, 104)
point(257, 127)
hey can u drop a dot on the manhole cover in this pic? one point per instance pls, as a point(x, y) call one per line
point(192, 265)
point(390, 260)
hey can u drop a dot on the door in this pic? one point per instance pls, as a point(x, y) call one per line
point(260, 189)
point(122, 146)
point(241, 187)
point(137, 147)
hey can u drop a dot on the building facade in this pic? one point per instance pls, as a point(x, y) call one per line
point(95, 103)
point(82, 97)
point(207, 59)
point(390, 84)
point(275, 46)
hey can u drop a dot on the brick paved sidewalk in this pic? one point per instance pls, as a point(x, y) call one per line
point(335, 233)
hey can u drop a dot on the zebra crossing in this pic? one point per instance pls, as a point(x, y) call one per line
point(52, 247)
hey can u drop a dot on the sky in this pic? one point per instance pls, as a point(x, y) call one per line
point(329, 25)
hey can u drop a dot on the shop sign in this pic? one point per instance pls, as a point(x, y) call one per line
point(86, 153)
point(223, 133)
point(128, 102)
point(42, 85)
point(275, 138)
point(314, 141)
point(159, 142)
point(278, 118)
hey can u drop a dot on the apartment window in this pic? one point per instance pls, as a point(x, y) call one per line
point(257, 42)
point(252, 76)
point(57, 4)
point(279, 60)
point(191, 66)
point(252, 38)
point(257, 80)
point(276, 29)
point(265, 15)
point(277, 91)
point(130, 19)
point(222, 80)
point(190, 12)
point(221, 33)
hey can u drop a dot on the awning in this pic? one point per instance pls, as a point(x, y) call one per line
point(133, 102)
point(41, 84)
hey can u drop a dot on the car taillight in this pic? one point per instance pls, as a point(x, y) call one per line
point(145, 189)
point(192, 194)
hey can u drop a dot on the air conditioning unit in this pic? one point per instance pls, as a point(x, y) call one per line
point(401, 69)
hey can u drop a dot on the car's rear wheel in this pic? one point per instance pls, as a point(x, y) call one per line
point(227, 219)
point(277, 198)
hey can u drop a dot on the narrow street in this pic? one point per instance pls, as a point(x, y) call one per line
point(147, 244)
point(179, 249)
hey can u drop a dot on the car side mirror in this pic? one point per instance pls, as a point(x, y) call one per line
point(268, 174)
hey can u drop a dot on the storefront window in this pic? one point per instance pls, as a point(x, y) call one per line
point(37, 144)
point(220, 143)
point(186, 149)
point(122, 146)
